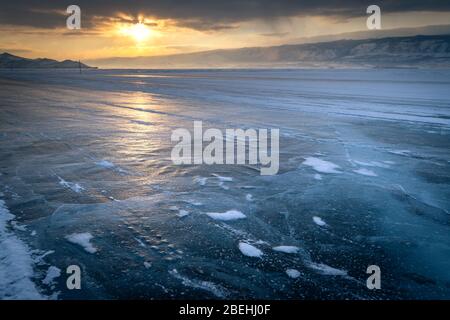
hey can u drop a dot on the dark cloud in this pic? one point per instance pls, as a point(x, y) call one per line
point(198, 14)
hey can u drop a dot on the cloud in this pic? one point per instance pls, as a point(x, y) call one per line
point(198, 14)
point(275, 34)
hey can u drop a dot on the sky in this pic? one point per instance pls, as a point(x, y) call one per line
point(37, 28)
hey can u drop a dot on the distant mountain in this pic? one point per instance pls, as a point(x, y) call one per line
point(376, 34)
point(14, 62)
point(407, 52)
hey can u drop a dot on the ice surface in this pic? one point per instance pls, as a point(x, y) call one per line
point(227, 216)
point(321, 165)
point(286, 249)
point(84, 240)
point(249, 250)
point(394, 123)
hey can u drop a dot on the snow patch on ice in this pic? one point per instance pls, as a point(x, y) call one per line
point(223, 186)
point(17, 226)
point(140, 242)
point(16, 263)
point(327, 270)
point(211, 287)
point(319, 221)
point(293, 273)
point(221, 178)
point(201, 180)
point(365, 172)
point(321, 165)
point(227, 216)
point(75, 187)
point(84, 240)
point(52, 273)
point(194, 203)
point(400, 152)
point(286, 249)
point(318, 176)
point(40, 259)
point(183, 213)
point(249, 250)
point(105, 164)
point(372, 164)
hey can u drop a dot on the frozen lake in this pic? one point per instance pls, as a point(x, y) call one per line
point(86, 179)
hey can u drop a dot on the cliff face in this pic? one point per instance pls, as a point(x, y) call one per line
point(11, 61)
point(417, 51)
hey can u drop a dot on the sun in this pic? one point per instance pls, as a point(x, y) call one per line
point(139, 31)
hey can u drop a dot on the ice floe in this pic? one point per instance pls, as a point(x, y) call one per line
point(321, 165)
point(286, 249)
point(226, 216)
point(84, 240)
point(249, 250)
point(249, 197)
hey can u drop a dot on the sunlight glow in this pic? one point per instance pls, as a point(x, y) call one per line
point(139, 31)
